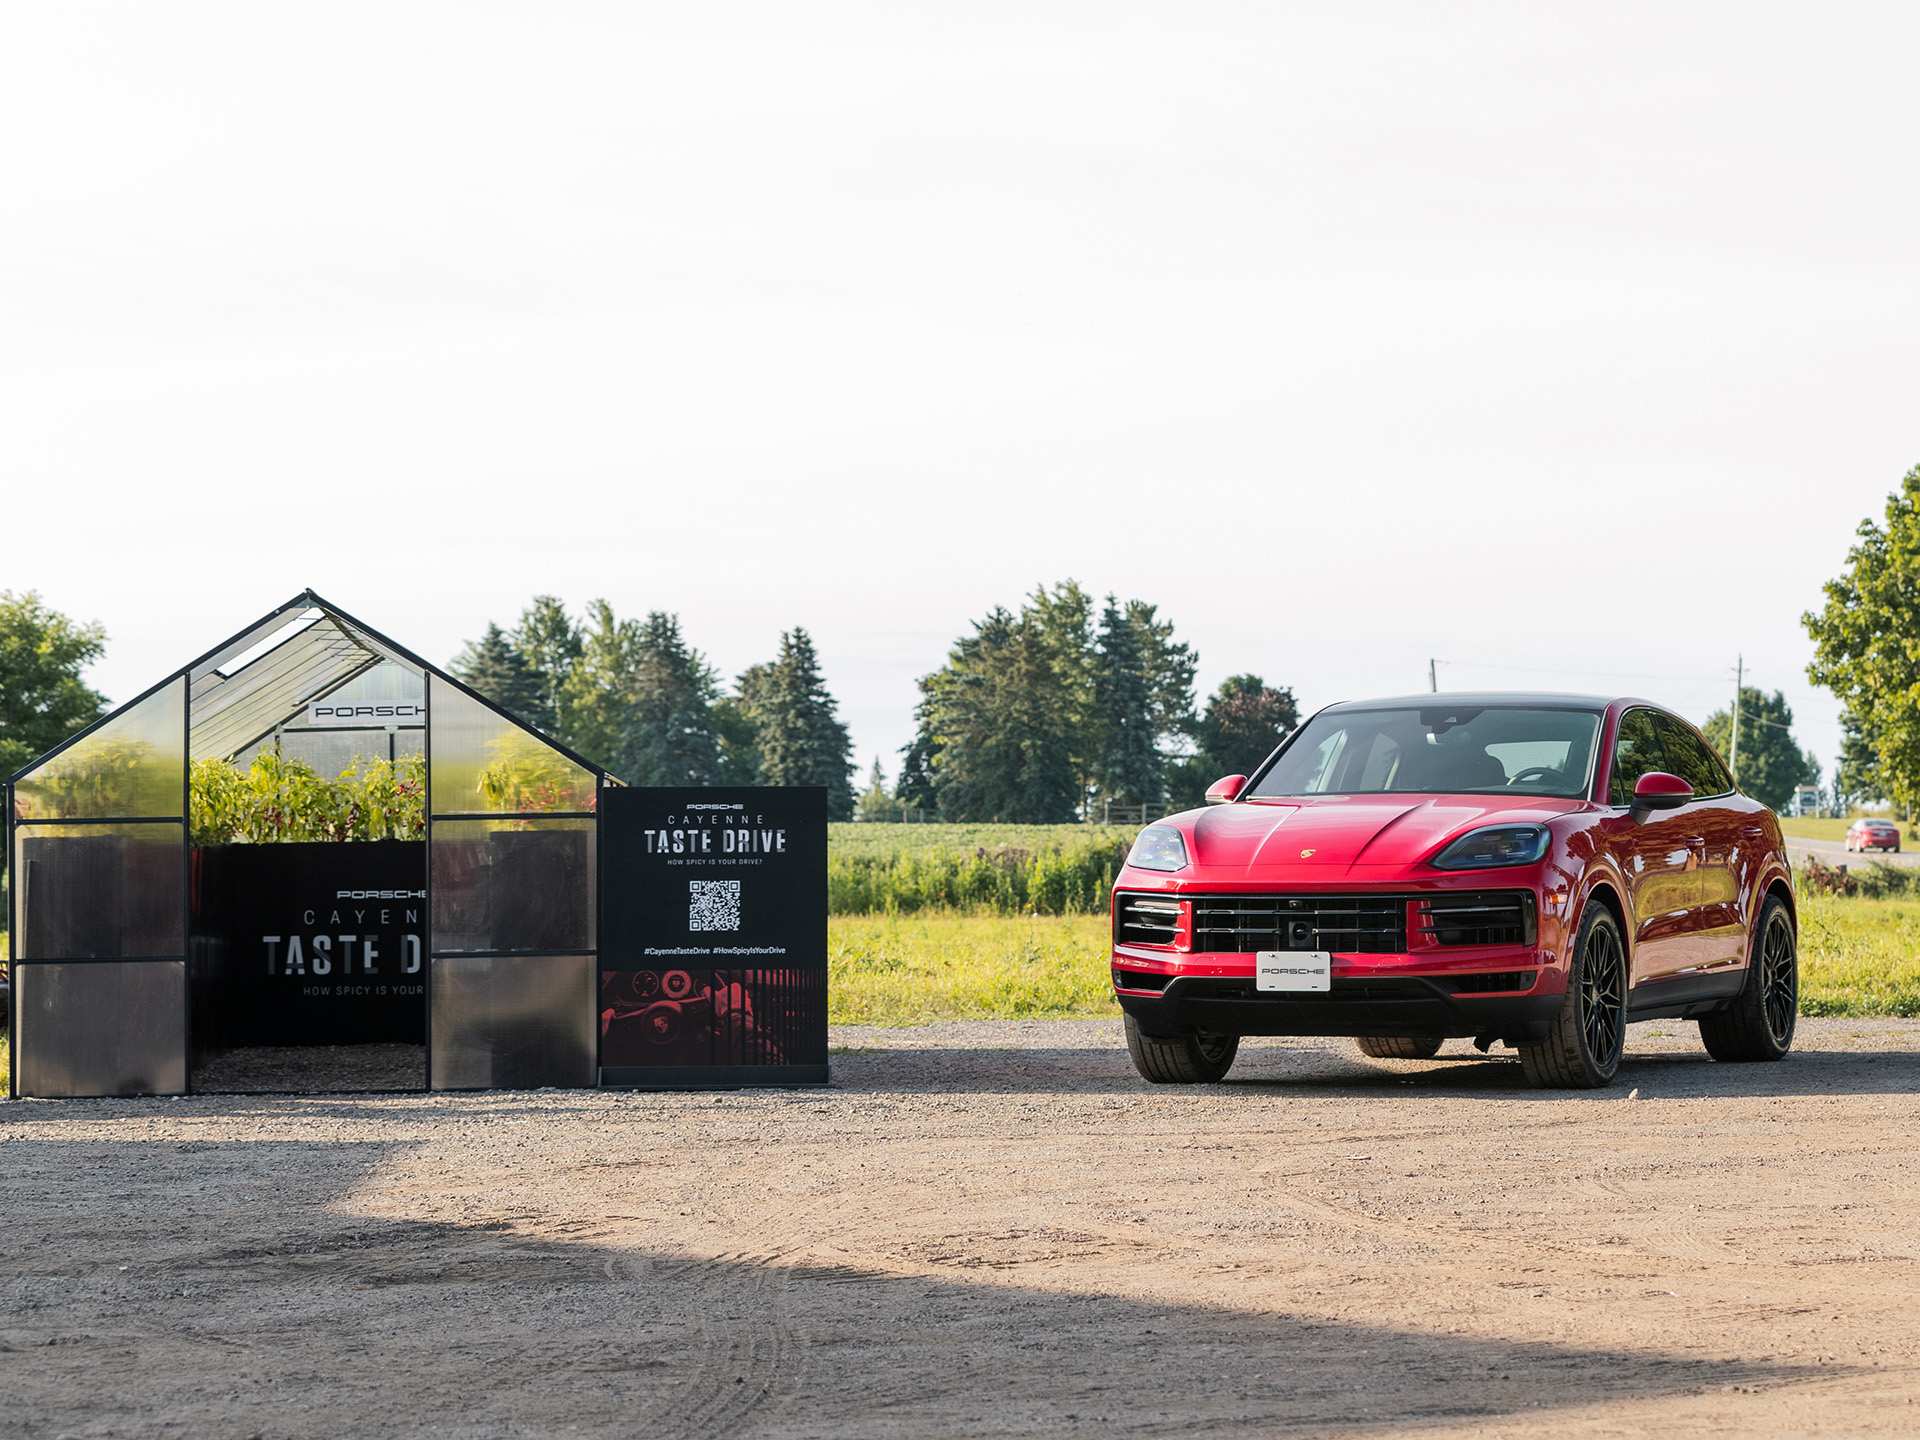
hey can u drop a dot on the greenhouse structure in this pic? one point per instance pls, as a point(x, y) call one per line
point(310, 860)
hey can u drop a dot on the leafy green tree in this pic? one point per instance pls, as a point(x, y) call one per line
point(1772, 767)
point(797, 724)
point(494, 666)
point(43, 700)
point(1856, 776)
point(1867, 640)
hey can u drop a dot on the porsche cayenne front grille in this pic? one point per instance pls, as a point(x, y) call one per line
point(1351, 924)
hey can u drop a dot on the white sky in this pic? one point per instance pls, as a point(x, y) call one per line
point(1568, 340)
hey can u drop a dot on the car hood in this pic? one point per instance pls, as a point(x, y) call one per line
point(1331, 833)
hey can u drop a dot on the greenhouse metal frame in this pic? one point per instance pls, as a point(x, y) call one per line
point(100, 996)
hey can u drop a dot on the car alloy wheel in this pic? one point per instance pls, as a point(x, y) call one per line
point(1758, 1023)
point(1779, 977)
point(1603, 996)
point(1583, 1043)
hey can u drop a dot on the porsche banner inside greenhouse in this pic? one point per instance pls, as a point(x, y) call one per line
point(311, 861)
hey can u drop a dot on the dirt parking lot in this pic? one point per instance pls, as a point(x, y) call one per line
point(989, 1229)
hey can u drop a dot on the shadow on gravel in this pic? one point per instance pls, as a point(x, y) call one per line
point(1264, 1067)
point(230, 1288)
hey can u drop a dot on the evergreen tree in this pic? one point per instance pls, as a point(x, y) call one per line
point(801, 740)
point(43, 700)
point(640, 700)
point(673, 733)
point(738, 734)
point(1128, 766)
point(1003, 725)
point(874, 802)
point(494, 667)
point(549, 645)
point(1036, 714)
point(914, 789)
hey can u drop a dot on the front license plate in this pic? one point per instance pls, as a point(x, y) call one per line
point(1293, 970)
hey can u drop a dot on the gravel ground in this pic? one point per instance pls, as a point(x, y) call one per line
point(989, 1229)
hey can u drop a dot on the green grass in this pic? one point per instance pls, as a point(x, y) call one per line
point(1815, 827)
point(1859, 956)
point(913, 969)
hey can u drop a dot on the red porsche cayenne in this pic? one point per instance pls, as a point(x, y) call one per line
point(1532, 870)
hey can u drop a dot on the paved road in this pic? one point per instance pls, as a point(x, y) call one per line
point(1832, 852)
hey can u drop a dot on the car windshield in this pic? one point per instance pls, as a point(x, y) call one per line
point(1438, 750)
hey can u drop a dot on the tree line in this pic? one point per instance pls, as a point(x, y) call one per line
point(1066, 707)
point(641, 700)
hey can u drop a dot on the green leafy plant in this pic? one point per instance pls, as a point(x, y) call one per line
point(527, 776)
point(277, 799)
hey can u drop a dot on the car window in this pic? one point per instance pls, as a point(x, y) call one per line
point(1636, 750)
point(1446, 748)
point(1688, 756)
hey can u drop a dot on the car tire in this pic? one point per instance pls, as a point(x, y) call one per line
point(1186, 1059)
point(1759, 1024)
point(1401, 1047)
point(1588, 1033)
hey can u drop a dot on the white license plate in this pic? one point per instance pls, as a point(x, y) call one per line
point(1293, 970)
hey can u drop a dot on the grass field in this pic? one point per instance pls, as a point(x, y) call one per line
point(995, 869)
point(913, 969)
point(1858, 957)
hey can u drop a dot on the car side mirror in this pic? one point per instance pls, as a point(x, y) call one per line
point(1225, 790)
point(1657, 790)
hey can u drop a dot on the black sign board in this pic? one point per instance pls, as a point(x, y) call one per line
point(309, 944)
point(713, 941)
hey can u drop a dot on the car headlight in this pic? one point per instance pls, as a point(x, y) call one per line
point(1494, 845)
point(1158, 848)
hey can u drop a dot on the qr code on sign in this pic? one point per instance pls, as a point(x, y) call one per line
point(713, 904)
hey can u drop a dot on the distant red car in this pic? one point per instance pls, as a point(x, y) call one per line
point(1864, 835)
point(1535, 870)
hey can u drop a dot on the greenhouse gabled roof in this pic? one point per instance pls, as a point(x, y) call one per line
point(249, 685)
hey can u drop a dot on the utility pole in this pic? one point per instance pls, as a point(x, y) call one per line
point(1739, 683)
point(1433, 676)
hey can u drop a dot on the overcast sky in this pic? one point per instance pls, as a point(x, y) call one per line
point(1565, 344)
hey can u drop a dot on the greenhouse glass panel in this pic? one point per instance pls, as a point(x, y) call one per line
point(508, 884)
point(111, 891)
point(514, 1021)
point(484, 763)
point(133, 766)
point(102, 1029)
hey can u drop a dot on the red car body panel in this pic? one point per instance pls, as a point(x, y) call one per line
point(1689, 882)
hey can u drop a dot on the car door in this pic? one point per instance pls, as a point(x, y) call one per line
point(1721, 826)
point(1658, 852)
